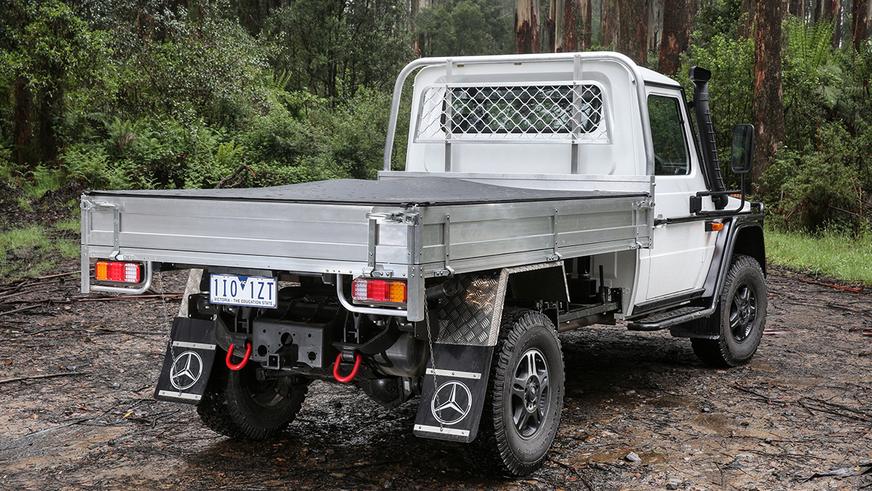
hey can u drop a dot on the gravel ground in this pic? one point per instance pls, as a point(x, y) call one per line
point(799, 416)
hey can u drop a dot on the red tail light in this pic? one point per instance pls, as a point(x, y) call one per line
point(383, 292)
point(118, 271)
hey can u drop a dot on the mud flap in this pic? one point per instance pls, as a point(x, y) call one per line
point(188, 361)
point(453, 396)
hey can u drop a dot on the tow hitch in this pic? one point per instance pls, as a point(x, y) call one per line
point(229, 358)
point(344, 379)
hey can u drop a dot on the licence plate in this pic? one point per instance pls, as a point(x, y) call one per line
point(248, 291)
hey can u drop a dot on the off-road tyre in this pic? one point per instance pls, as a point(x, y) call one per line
point(730, 350)
point(237, 405)
point(499, 440)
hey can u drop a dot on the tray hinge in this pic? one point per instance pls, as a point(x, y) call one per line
point(640, 208)
point(555, 237)
point(446, 247)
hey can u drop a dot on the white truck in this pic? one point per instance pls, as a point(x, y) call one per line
point(541, 193)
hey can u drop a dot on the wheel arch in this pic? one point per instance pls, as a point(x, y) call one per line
point(527, 285)
point(749, 242)
point(744, 235)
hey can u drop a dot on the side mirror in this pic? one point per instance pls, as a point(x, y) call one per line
point(742, 149)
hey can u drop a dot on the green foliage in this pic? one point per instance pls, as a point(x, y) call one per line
point(211, 70)
point(149, 153)
point(333, 47)
point(829, 253)
point(812, 78)
point(465, 27)
point(7, 167)
point(827, 186)
point(718, 18)
point(280, 137)
point(34, 250)
point(821, 177)
point(52, 47)
point(88, 164)
point(69, 225)
point(44, 180)
point(354, 124)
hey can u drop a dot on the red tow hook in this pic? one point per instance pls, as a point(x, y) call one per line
point(237, 366)
point(344, 379)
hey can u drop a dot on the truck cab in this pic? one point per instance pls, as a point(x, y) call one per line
point(538, 194)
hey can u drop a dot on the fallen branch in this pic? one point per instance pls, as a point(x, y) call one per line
point(573, 470)
point(754, 393)
point(234, 176)
point(14, 288)
point(834, 409)
point(843, 472)
point(57, 275)
point(170, 296)
point(103, 330)
point(834, 286)
point(47, 375)
point(21, 309)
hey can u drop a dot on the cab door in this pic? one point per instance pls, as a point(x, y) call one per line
point(682, 249)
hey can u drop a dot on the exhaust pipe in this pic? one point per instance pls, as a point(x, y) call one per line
point(706, 131)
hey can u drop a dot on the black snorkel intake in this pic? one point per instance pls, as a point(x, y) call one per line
point(706, 131)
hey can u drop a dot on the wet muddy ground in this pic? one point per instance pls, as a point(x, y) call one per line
point(799, 416)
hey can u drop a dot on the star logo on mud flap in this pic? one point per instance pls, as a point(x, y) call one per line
point(451, 402)
point(186, 370)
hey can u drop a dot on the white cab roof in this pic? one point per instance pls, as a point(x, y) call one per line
point(657, 78)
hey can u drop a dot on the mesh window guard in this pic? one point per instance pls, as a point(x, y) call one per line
point(553, 112)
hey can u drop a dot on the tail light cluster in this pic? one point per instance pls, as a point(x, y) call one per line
point(379, 292)
point(118, 271)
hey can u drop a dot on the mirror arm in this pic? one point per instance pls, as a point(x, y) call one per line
point(722, 193)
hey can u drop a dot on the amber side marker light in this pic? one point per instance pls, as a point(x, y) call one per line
point(714, 226)
point(118, 271)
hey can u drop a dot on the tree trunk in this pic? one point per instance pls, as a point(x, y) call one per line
point(768, 107)
point(49, 111)
point(550, 41)
point(827, 10)
point(676, 31)
point(586, 11)
point(527, 26)
point(795, 8)
point(22, 132)
point(566, 31)
point(862, 12)
point(415, 7)
point(655, 25)
point(610, 21)
point(837, 23)
point(633, 39)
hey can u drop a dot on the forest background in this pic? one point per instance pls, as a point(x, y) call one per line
point(187, 93)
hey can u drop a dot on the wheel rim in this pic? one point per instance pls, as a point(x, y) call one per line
point(743, 312)
point(530, 393)
point(266, 393)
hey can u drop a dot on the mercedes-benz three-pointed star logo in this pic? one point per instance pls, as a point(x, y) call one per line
point(449, 406)
point(186, 370)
